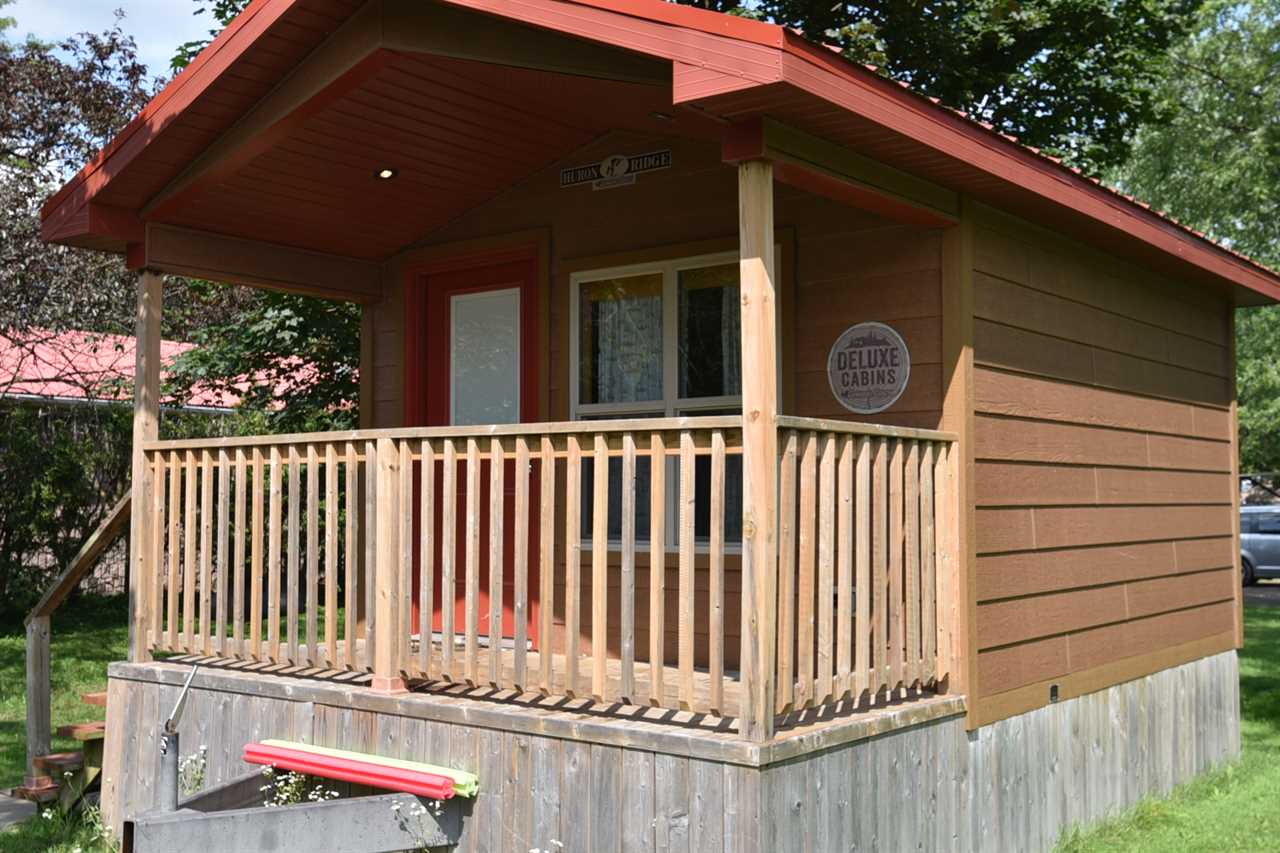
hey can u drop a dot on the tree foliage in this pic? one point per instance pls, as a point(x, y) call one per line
point(292, 360)
point(1215, 164)
point(1074, 77)
point(63, 466)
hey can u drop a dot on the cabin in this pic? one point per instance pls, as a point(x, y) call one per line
point(755, 455)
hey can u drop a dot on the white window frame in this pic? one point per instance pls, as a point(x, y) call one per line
point(671, 404)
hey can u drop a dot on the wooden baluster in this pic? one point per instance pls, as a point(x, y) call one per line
point(911, 586)
point(928, 577)
point(312, 604)
point(404, 587)
point(426, 559)
point(175, 549)
point(157, 543)
point(189, 555)
point(205, 633)
point(657, 568)
point(448, 557)
point(241, 526)
point(520, 566)
point(351, 560)
point(897, 626)
point(573, 563)
point(546, 562)
point(715, 581)
point(880, 567)
point(274, 536)
point(369, 577)
point(844, 569)
point(330, 656)
point(259, 509)
point(292, 562)
point(805, 577)
point(785, 693)
point(600, 568)
point(497, 524)
point(685, 636)
point(826, 570)
point(627, 591)
point(863, 587)
point(472, 592)
point(224, 563)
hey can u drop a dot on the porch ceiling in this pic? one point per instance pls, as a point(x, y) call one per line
point(456, 131)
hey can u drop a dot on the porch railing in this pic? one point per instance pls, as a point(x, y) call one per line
point(593, 559)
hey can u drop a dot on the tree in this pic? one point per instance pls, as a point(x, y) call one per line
point(1215, 164)
point(292, 360)
point(1074, 77)
point(61, 466)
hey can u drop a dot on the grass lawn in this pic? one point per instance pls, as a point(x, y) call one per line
point(1234, 808)
point(88, 634)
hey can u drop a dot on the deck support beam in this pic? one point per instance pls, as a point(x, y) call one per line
point(757, 276)
point(146, 427)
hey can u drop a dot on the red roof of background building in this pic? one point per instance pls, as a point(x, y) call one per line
point(79, 366)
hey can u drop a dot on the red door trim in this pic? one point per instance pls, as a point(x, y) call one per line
point(426, 404)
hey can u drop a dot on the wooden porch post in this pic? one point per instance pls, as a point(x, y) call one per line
point(759, 446)
point(389, 633)
point(39, 721)
point(146, 427)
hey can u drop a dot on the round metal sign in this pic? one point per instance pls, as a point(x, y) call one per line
point(868, 368)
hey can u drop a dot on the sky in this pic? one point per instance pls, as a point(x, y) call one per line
point(158, 26)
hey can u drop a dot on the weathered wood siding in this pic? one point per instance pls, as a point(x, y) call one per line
point(1014, 785)
point(1104, 459)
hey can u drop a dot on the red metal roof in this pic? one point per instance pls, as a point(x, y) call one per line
point(80, 366)
point(730, 68)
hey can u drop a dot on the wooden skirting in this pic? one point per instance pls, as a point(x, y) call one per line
point(910, 779)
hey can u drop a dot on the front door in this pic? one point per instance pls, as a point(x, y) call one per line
point(475, 364)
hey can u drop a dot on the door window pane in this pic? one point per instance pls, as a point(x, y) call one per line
point(709, 337)
point(620, 340)
point(485, 358)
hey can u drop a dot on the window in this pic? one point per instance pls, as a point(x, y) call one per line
point(1268, 523)
point(660, 340)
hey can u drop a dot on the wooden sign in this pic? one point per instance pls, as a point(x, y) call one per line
point(616, 170)
point(868, 368)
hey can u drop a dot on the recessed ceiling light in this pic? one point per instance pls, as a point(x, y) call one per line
point(386, 173)
point(660, 116)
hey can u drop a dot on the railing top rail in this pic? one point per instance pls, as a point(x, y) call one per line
point(857, 428)
point(611, 425)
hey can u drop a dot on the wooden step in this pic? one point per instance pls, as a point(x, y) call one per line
point(60, 762)
point(84, 731)
point(99, 699)
point(42, 794)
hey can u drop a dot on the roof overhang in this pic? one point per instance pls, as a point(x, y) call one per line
point(833, 127)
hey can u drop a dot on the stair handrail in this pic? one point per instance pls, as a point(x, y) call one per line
point(39, 712)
